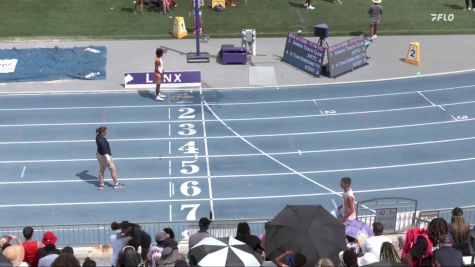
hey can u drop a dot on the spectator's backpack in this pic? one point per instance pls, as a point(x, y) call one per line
point(413, 235)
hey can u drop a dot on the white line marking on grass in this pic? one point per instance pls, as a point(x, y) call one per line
point(265, 154)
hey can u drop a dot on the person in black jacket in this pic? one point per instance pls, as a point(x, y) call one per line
point(104, 157)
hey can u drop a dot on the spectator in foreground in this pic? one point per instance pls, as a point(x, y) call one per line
point(459, 230)
point(373, 244)
point(446, 255)
point(417, 255)
point(197, 237)
point(170, 252)
point(389, 253)
point(66, 260)
point(291, 259)
point(88, 262)
point(349, 258)
point(375, 13)
point(31, 247)
point(438, 228)
point(325, 262)
point(51, 255)
point(48, 239)
point(243, 234)
point(15, 254)
point(118, 241)
point(128, 257)
point(156, 250)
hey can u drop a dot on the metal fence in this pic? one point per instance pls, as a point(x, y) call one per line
point(424, 217)
point(396, 214)
point(99, 234)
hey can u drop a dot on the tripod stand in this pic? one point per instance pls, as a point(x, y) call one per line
point(321, 42)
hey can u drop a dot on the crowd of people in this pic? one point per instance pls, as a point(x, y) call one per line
point(441, 244)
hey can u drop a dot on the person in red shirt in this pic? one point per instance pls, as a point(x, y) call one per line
point(31, 247)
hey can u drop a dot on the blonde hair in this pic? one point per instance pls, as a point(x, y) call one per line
point(389, 253)
point(325, 262)
point(458, 229)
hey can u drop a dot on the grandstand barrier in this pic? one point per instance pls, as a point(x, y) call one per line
point(424, 217)
point(396, 214)
point(99, 234)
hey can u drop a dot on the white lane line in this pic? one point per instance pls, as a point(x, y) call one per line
point(205, 139)
point(427, 99)
point(170, 189)
point(322, 114)
point(453, 117)
point(169, 114)
point(234, 198)
point(267, 155)
point(170, 212)
point(170, 167)
point(23, 172)
point(169, 147)
point(169, 130)
point(92, 141)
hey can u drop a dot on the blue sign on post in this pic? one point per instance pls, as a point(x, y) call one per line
point(304, 54)
point(173, 79)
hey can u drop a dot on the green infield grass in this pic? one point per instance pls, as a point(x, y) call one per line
point(115, 19)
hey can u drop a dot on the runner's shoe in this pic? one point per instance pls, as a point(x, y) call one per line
point(101, 187)
point(118, 186)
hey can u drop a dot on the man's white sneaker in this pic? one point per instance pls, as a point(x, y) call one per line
point(306, 4)
point(310, 7)
point(374, 37)
point(162, 96)
point(159, 98)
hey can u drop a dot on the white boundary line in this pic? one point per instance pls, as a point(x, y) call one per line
point(208, 170)
point(299, 152)
point(232, 198)
point(267, 155)
point(122, 90)
point(249, 103)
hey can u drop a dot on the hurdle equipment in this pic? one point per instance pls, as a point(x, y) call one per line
point(179, 28)
point(413, 54)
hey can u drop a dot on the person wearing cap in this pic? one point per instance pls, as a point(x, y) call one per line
point(118, 241)
point(139, 237)
point(446, 255)
point(460, 231)
point(197, 237)
point(48, 239)
point(156, 250)
point(375, 13)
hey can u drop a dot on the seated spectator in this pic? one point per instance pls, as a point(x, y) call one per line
point(66, 260)
point(51, 254)
point(31, 247)
point(170, 253)
point(354, 245)
point(128, 257)
point(197, 237)
point(181, 263)
point(48, 238)
point(419, 255)
point(15, 254)
point(389, 253)
point(290, 259)
point(460, 231)
point(446, 255)
point(4, 261)
point(349, 258)
point(118, 241)
point(325, 262)
point(67, 250)
point(438, 228)
point(231, 3)
point(373, 244)
point(243, 234)
point(156, 250)
point(88, 262)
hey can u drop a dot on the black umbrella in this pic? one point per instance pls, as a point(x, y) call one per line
point(224, 252)
point(308, 229)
